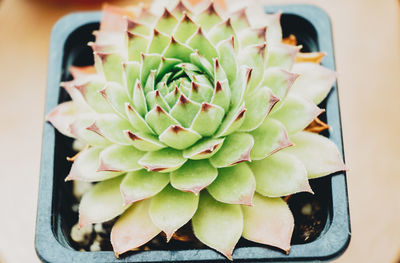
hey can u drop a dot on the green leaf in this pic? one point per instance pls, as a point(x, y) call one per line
point(111, 126)
point(185, 29)
point(236, 149)
point(137, 44)
point(227, 58)
point(254, 57)
point(253, 36)
point(296, 113)
point(222, 95)
point(178, 137)
point(234, 185)
point(117, 96)
point(218, 225)
point(167, 22)
point(118, 158)
point(85, 167)
point(314, 81)
point(202, 63)
point(280, 174)
point(136, 120)
point(143, 141)
point(139, 99)
point(259, 103)
point(318, 154)
point(159, 120)
point(178, 50)
point(133, 229)
point(171, 209)
point(149, 62)
point(282, 56)
point(155, 98)
point(185, 110)
point(232, 122)
point(200, 92)
point(139, 185)
point(137, 27)
point(194, 176)
point(164, 161)
point(279, 81)
point(201, 43)
point(208, 119)
point(269, 137)
point(239, 19)
point(101, 203)
point(63, 116)
point(111, 65)
point(269, 221)
point(79, 130)
point(131, 75)
point(222, 31)
point(91, 93)
point(208, 17)
point(203, 149)
point(158, 43)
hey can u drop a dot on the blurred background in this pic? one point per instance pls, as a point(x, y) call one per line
point(367, 49)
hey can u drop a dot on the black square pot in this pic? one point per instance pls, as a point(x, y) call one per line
point(69, 47)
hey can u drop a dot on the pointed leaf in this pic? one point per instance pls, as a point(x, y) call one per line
point(171, 209)
point(149, 62)
point(269, 137)
point(62, 116)
point(236, 149)
point(222, 95)
point(143, 141)
point(279, 81)
point(253, 56)
point(253, 36)
point(208, 119)
point(159, 120)
point(314, 82)
point(85, 167)
point(139, 185)
point(137, 28)
point(167, 22)
point(111, 66)
point(202, 63)
point(203, 149)
point(120, 158)
point(111, 126)
point(194, 176)
point(133, 229)
point(91, 93)
point(155, 98)
point(280, 174)
point(209, 17)
point(136, 120)
point(296, 113)
point(222, 31)
point(185, 110)
point(232, 121)
point(158, 43)
point(117, 96)
point(258, 103)
point(101, 203)
point(269, 221)
point(227, 58)
point(234, 185)
point(218, 225)
point(79, 129)
point(131, 75)
point(282, 56)
point(318, 154)
point(164, 161)
point(200, 42)
point(185, 29)
point(178, 137)
point(239, 19)
point(137, 44)
point(139, 99)
point(178, 50)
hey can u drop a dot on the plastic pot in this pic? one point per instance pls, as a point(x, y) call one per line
point(69, 47)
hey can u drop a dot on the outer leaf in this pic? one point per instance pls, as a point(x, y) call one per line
point(101, 203)
point(209, 17)
point(133, 229)
point(85, 167)
point(296, 113)
point(236, 149)
point(282, 56)
point(200, 42)
point(279, 81)
point(185, 29)
point(171, 209)
point(234, 185)
point(258, 103)
point(227, 58)
point(279, 175)
point(269, 221)
point(165, 160)
point(79, 130)
point(139, 185)
point(319, 155)
point(314, 82)
point(167, 22)
point(143, 141)
point(117, 96)
point(111, 126)
point(218, 225)
point(269, 137)
point(120, 158)
point(136, 120)
point(62, 116)
point(232, 122)
point(194, 176)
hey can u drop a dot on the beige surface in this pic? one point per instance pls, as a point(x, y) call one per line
point(366, 35)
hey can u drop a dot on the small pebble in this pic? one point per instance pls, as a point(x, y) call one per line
point(96, 246)
point(78, 146)
point(79, 188)
point(306, 209)
point(81, 235)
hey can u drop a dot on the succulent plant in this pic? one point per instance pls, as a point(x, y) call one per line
point(195, 116)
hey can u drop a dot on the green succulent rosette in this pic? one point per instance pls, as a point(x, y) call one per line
point(195, 116)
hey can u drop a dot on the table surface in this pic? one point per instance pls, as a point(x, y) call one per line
point(366, 38)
